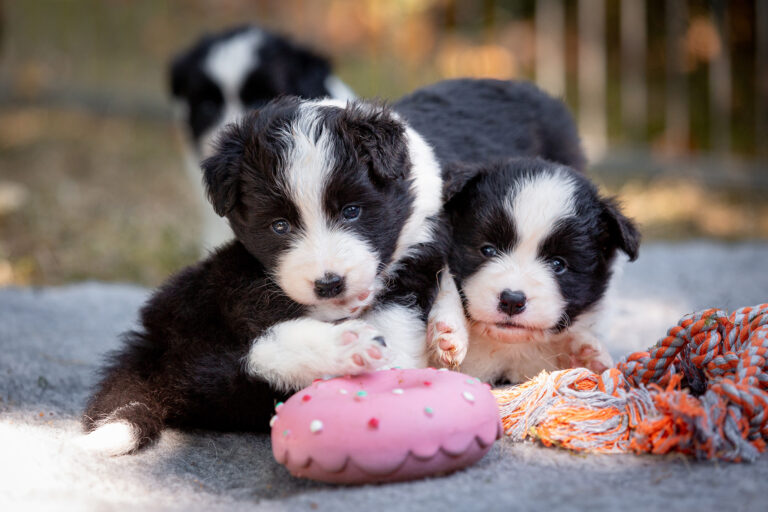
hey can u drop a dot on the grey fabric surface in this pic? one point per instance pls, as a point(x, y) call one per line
point(52, 339)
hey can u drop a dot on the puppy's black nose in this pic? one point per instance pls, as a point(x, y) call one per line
point(329, 286)
point(511, 303)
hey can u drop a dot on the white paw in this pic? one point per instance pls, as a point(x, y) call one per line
point(110, 439)
point(361, 348)
point(589, 354)
point(448, 341)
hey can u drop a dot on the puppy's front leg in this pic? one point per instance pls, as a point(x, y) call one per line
point(447, 335)
point(290, 355)
point(584, 350)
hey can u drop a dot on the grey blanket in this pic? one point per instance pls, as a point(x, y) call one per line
point(52, 340)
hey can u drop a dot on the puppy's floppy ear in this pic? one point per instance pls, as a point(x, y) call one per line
point(381, 138)
point(179, 75)
point(221, 172)
point(309, 72)
point(621, 231)
point(456, 175)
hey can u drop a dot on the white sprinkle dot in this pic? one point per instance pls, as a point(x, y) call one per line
point(316, 426)
point(443, 370)
point(398, 391)
point(343, 391)
point(273, 420)
point(469, 396)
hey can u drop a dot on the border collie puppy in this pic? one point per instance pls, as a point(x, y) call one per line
point(533, 251)
point(225, 74)
point(337, 213)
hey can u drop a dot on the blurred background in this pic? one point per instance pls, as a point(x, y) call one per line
point(671, 99)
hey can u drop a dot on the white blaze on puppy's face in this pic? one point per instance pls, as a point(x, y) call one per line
point(321, 245)
point(535, 206)
point(228, 64)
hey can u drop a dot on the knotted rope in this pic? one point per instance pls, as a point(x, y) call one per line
point(702, 390)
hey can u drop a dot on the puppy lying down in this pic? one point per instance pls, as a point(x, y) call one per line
point(534, 249)
point(339, 235)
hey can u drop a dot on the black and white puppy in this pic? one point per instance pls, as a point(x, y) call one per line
point(337, 212)
point(223, 75)
point(533, 254)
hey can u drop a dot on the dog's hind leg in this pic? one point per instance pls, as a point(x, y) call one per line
point(123, 416)
point(128, 411)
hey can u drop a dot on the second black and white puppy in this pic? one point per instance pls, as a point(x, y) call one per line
point(225, 74)
point(533, 254)
point(336, 208)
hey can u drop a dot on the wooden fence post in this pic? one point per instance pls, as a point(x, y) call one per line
point(592, 76)
point(550, 46)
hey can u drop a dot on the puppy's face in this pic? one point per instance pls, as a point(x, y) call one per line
point(319, 195)
point(533, 247)
point(222, 76)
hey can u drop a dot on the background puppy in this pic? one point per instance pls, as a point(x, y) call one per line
point(336, 208)
point(534, 245)
point(223, 75)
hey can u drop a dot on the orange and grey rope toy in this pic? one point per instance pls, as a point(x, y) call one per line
point(702, 390)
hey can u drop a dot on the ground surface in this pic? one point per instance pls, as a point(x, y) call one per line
point(53, 338)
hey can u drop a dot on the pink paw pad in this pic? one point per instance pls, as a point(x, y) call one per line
point(349, 337)
point(587, 357)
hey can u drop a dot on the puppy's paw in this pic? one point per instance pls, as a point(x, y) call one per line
point(111, 439)
point(590, 354)
point(448, 341)
point(361, 348)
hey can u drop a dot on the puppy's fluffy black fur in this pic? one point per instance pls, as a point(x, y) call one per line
point(184, 366)
point(518, 120)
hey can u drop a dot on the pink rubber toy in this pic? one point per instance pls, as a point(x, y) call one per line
point(385, 426)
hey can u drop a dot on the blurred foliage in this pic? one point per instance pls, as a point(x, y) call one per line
point(91, 173)
point(120, 48)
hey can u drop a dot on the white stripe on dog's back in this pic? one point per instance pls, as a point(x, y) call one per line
point(427, 190)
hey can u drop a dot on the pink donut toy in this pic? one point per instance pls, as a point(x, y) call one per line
point(385, 426)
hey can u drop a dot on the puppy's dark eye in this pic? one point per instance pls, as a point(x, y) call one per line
point(350, 212)
point(489, 251)
point(281, 226)
point(558, 265)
